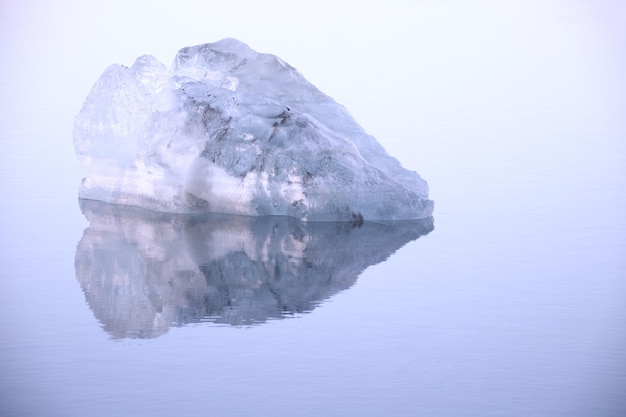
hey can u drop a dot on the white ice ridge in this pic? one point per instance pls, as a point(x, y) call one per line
point(229, 130)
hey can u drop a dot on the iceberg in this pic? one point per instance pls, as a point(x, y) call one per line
point(143, 272)
point(230, 130)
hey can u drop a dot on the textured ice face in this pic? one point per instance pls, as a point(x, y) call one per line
point(230, 130)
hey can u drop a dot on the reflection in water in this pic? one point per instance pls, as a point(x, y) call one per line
point(143, 272)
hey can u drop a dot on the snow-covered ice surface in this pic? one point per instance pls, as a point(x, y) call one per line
point(229, 130)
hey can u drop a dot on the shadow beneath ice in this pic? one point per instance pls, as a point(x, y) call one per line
point(143, 272)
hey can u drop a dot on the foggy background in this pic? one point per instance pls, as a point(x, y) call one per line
point(429, 79)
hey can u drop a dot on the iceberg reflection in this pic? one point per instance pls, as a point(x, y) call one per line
point(143, 272)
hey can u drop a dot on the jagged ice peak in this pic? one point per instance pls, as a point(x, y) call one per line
point(229, 130)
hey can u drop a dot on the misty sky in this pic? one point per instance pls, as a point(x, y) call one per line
point(431, 80)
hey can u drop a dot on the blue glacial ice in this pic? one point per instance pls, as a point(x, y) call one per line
point(229, 130)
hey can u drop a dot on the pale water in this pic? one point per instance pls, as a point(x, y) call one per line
point(511, 302)
point(514, 305)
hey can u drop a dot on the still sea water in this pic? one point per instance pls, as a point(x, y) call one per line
point(511, 301)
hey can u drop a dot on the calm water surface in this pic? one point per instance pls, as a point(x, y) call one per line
point(514, 305)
